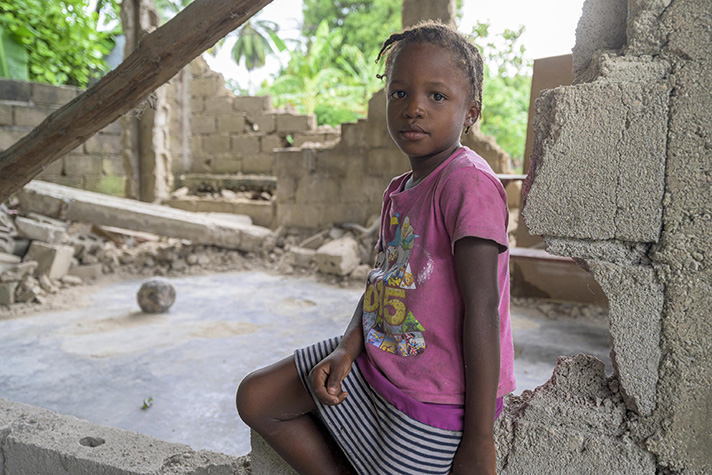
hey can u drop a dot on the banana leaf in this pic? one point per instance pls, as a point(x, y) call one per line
point(13, 57)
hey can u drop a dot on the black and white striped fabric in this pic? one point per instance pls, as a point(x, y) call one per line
point(375, 436)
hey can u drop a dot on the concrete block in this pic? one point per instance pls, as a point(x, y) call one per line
point(226, 164)
point(53, 95)
point(201, 124)
point(286, 189)
point(264, 460)
point(7, 297)
point(246, 144)
point(53, 260)
point(9, 136)
point(45, 232)
point(262, 164)
point(219, 105)
point(215, 144)
point(252, 104)
point(636, 304)
point(95, 208)
point(197, 104)
point(265, 124)
point(87, 272)
point(5, 114)
point(12, 90)
point(355, 134)
point(82, 165)
point(270, 142)
point(615, 132)
point(41, 442)
point(340, 256)
point(288, 123)
point(30, 116)
point(688, 31)
point(232, 124)
point(317, 189)
point(112, 165)
point(300, 257)
point(377, 108)
point(206, 87)
point(103, 144)
point(113, 128)
point(602, 26)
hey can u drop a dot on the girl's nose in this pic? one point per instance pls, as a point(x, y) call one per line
point(414, 109)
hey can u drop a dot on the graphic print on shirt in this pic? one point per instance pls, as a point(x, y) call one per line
point(387, 323)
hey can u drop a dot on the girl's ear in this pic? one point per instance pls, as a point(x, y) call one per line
point(473, 113)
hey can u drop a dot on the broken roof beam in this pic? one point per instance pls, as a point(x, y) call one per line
point(63, 202)
point(158, 57)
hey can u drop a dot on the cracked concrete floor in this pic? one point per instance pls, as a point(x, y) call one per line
point(102, 361)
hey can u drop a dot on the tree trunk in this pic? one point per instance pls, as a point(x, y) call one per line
point(158, 57)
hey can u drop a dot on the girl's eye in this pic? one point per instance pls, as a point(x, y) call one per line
point(398, 94)
point(438, 97)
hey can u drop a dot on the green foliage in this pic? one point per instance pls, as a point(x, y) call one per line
point(507, 85)
point(255, 40)
point(13, 57)
point(365, 24)
point(60, 37)
point(331, 79)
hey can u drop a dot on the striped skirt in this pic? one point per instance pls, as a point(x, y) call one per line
point(376, 437)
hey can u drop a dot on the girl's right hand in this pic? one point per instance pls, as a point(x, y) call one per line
point(325, 378)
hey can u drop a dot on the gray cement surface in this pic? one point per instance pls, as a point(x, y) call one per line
point(101, 362)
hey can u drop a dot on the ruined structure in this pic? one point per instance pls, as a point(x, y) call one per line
point(621, 179)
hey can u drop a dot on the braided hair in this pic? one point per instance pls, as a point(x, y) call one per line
point(466, 54)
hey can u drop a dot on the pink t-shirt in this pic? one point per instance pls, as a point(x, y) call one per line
point(413, 309)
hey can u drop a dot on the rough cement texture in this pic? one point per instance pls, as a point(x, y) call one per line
point(36, 441)
point(641, 223)
point(635, 342)
point(602, 27)
point(574, 423)
point(608, 139)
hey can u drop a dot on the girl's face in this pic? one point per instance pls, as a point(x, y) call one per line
point(428, 103)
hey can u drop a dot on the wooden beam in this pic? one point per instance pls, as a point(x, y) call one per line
point(158, 57)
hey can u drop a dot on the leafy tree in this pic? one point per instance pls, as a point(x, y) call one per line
point(364, 24)
point(255, 40)
point(60, 37)
point(507, 85)
point(312, 82)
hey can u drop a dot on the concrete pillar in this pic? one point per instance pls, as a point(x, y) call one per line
point(415, 10)
point(145, 132)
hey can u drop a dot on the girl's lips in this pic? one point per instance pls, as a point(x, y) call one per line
point(413, 133)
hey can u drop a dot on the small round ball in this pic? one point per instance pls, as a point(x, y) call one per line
point(156, 295)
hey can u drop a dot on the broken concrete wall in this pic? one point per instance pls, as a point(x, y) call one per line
point(96, 165)
point(321, 185)
point(215, 131)
point(620, 179)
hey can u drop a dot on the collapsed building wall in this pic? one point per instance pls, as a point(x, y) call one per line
point(96, 165)
point(620, 180)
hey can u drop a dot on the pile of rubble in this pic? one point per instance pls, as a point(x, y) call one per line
point(40, 255)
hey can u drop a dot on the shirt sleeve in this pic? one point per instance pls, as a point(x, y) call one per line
point(473, 203)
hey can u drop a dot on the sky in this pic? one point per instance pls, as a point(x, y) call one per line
point(550, 27)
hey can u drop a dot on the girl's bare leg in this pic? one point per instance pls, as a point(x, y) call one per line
point(274, 402)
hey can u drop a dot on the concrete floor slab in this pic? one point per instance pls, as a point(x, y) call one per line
point(101, 362)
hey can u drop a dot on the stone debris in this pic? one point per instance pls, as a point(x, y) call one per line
point(156, 295)
point(40, 256)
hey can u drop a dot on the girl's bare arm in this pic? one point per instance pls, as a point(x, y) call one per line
point(476, 262)
point(325, 378)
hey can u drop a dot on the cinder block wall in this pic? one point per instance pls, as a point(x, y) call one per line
point(321, 185)
point(95, 165)
point(214, 131)
point(621, 179)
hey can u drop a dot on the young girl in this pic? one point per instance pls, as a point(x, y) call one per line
point(416, 381)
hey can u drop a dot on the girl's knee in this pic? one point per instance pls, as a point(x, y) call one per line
point(248, 399)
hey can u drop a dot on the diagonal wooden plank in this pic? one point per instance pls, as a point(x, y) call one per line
point(158, 57)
